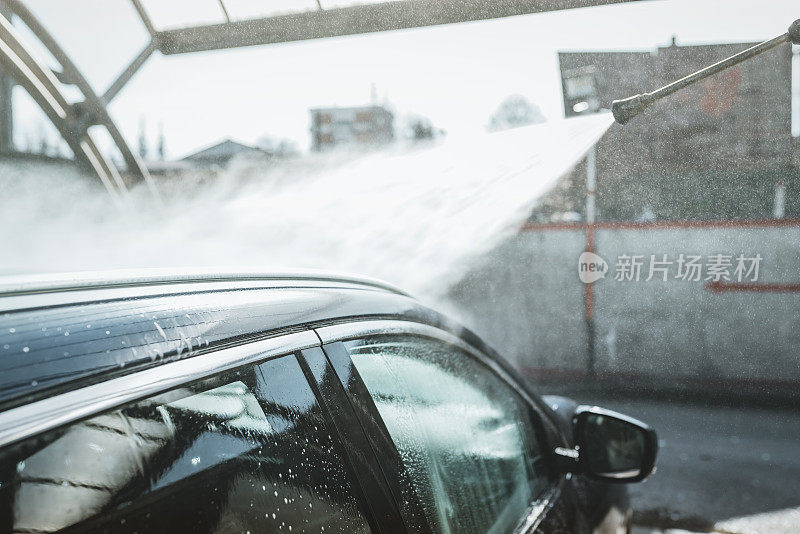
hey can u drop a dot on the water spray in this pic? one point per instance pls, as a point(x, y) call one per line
point(628, 108)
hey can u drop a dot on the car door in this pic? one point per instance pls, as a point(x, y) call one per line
point(251, 449)
point(463, 449)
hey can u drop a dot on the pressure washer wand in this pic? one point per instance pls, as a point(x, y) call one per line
point(625, 110)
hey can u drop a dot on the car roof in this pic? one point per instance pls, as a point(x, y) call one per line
point(58, 332)
point(61, 282)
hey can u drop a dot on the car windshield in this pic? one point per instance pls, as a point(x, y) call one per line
point(641, 254)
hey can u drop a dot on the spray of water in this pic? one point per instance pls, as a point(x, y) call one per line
point(414, 216)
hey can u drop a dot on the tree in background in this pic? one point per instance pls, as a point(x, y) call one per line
point(281, 147)
point(513, 112)
point(418, 128)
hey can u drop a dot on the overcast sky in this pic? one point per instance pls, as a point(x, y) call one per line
point(456, 75)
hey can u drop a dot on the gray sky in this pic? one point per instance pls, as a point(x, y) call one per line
point(455, 75)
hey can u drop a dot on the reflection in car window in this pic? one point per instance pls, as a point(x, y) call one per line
point(465, 438)
point(245, 451)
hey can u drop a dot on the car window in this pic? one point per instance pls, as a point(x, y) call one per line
point(247, 451)
point(465, 437)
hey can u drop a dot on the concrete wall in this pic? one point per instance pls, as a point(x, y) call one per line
point(525, 298)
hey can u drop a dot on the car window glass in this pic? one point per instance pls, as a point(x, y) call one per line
point(465, 437)
point(245, 451)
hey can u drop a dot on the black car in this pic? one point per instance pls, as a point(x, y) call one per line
point(284, 403)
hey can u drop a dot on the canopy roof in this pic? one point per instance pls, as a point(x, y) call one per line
point(191, 26)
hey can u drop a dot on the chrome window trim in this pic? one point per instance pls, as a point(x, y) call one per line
point(25, 301)
point(538, 510)
point(131, 278)
point(25, 421)
point(355, 330)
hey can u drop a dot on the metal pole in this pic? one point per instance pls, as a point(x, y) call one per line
point(6, 113)
point(796, 91)
point(6, 101)
point(148, 23)
point(224, 10)
point(625, 110)
point(779, 201)
point(591, 178)
point(126, 75)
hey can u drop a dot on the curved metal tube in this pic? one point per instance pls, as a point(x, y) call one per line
point(40, 83)
point(91, 111)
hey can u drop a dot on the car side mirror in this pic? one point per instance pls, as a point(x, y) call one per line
point(612, 447)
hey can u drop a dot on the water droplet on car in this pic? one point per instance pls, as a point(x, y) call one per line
point(160, 330)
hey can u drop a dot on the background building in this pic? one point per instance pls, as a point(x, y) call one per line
point(222, 152)
point(365, 125)
point(720, 149)
point(701, 173)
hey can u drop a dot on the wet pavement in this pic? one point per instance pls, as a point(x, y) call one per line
point(723, 469)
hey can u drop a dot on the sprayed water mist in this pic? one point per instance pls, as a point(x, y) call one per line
point(414, 216)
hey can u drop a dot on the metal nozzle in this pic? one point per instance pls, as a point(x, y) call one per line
point(794, 32)
point(626, 109)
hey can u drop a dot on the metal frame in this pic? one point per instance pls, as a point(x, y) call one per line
point(19, 423)
point(352, 20)
point(74, 120)
point(6, 108)
point(42, 85)
point(71, 120)
point(126, 75)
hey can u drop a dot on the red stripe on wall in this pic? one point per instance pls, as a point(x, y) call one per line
point(752, 287)
point(645, 380)
point(533, 227)
point(659, 225)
